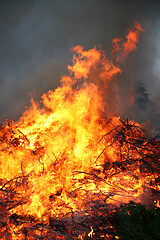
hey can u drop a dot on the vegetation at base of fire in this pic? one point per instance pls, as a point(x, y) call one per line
point(137, 222)
point(132, 221)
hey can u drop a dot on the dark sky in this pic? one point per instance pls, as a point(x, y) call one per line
point(36, 37)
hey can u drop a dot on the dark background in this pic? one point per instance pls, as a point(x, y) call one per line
point(35, 41)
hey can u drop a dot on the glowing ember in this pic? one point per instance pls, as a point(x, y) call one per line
point(69, 155)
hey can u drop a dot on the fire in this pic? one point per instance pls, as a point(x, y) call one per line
point(123, 48)
point(65, 156)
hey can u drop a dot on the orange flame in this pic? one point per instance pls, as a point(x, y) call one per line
point(48, 153)
point(122, 49)
point(132, 39)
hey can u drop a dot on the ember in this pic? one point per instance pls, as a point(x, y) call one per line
point(66, 166)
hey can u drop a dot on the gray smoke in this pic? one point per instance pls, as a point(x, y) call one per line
point(37, 35)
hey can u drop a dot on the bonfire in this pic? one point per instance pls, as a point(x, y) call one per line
point(69, 163)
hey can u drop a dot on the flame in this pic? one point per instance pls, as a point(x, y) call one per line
point(123, 48)
point(132, 39)
point(60, 157)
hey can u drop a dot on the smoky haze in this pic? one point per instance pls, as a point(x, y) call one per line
point(37, 35)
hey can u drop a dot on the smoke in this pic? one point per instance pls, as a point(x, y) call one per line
point(37, 35)
point(156, 67)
